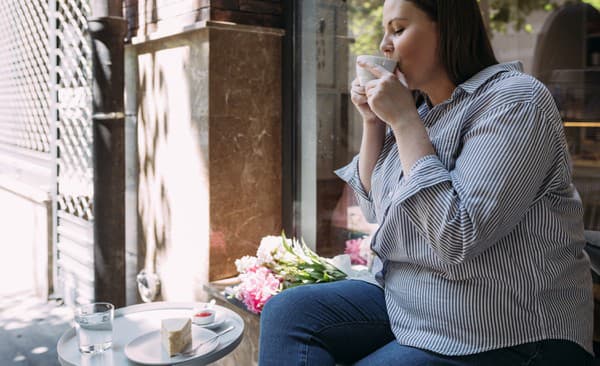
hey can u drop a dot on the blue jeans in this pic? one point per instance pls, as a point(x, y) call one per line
point(346, 322)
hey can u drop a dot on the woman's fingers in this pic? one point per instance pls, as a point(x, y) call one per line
point(357, 88)
point(359, 99)
point(357, 92)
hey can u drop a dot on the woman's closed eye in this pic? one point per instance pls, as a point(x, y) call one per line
point(398, 31)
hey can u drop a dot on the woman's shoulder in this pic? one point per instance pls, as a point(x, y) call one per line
point(515, 87)
point(515, 92)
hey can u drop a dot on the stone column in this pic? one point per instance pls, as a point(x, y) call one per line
point(209, 149)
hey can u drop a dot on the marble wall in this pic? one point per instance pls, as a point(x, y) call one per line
point(148, 16)
point(245, 143)
point(209, 150)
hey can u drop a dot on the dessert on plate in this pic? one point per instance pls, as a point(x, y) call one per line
point(176, 334)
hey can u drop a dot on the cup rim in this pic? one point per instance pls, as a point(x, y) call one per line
point(377, 57)
point(109, 307)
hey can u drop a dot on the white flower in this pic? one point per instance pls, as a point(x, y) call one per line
point(233, 292)
point(271, 249)
point(246, 262)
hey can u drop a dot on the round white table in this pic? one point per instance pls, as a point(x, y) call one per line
point(135, 320)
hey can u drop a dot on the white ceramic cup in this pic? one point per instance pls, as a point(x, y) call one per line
point(365, 75)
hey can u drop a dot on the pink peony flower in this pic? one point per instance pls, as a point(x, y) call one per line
point(353, 248)
point(258, 285)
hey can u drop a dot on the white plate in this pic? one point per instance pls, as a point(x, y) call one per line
point(147, 349)
point(219, 320)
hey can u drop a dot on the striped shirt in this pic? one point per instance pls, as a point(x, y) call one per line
point(482, 246)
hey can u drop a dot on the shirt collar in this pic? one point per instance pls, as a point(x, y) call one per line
point(484, 75)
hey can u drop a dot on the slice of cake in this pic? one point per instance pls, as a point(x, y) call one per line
point(176, 334)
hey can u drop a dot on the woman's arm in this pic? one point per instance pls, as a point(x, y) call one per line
point(393, 103)
point(413, 143)
point(370, 148)
point(372, 137)
point(502, 170)
point(499, 174)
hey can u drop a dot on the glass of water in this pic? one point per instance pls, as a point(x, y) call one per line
point(93, 323)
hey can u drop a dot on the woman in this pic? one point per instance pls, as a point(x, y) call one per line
point(480, 233)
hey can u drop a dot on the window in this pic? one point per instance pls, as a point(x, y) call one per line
point(561, 47)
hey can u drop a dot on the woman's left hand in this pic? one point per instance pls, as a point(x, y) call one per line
point(388, 96)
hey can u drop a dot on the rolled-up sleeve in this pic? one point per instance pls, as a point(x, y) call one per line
point(506, 156)
point(350, 175)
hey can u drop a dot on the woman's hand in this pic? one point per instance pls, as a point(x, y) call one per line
point(388, 97)
point(392, 102)
point(359, 99)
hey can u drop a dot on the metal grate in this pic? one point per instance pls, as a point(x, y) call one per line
point(46, 102)
point(24, 76)
point(73, 58)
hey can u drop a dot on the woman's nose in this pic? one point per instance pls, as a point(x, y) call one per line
point(386, 47)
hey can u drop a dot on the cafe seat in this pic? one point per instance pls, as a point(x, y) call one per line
point(592, 248)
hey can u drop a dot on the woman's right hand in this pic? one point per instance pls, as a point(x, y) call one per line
point(360, 101)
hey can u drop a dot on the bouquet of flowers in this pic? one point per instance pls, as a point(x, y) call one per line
point(280, 263)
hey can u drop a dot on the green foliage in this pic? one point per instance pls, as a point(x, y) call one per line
point(366, 29)
point(594, 3)
point(304, 266)
point(365, 25)
point(515, 12)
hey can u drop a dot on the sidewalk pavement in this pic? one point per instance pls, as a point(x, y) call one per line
point(29, 325)
point(30, 328)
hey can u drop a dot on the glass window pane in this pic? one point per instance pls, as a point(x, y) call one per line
point(333, 32)
point(568, 63)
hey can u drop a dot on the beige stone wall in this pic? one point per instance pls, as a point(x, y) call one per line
point(173, 157)
point(209, 149)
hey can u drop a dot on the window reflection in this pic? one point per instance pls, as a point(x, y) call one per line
point(568, 63)
point(344, 29)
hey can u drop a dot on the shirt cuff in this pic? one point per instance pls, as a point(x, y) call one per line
point(425, 172)
point(349, 174)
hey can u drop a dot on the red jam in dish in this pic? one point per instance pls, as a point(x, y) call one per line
point(203, 316)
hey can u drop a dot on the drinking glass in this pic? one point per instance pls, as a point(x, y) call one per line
point(93, 324)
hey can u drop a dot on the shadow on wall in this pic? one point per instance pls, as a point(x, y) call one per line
point(154, 216)
point(173, 173)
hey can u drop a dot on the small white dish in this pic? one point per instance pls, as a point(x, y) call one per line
point(204, 316)
point(219, 321)
point(147, 349)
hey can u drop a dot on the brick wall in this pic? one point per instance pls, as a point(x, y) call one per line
point(146, 16)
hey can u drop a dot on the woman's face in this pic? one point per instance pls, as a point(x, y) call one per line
point(411, 38)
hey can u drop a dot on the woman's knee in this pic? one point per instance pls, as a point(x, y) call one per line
point(284, 316)
point(288, 303)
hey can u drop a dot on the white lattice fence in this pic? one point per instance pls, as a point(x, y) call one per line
point(46, 126)
point(75, 179)
point(72, 59)
point(24, 75)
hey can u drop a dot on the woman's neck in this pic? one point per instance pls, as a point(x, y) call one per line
point(441, 91)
